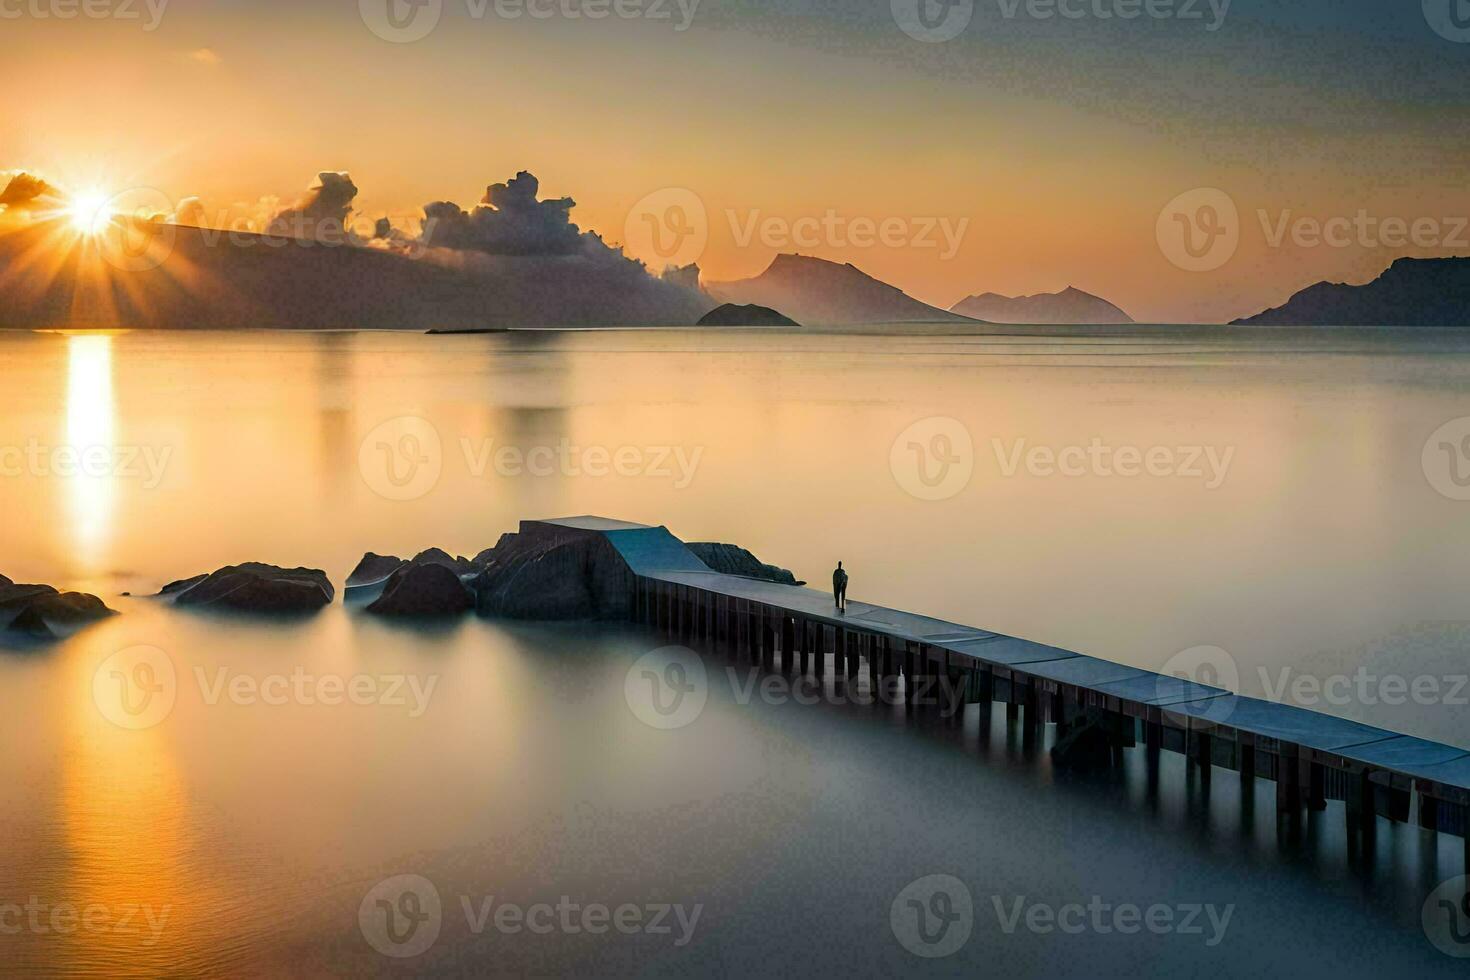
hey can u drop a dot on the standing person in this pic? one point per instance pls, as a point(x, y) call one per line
point(839, 587)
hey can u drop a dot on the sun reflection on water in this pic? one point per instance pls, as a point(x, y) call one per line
point(90, 423)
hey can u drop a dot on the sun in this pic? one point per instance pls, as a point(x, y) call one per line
point(89, 212)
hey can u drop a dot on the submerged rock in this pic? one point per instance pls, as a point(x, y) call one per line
point(255, 587)
point(429, 589)
point(732, 559)
point(42, 611)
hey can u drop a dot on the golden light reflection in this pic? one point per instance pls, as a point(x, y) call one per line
point(124, 815)
point(89, 424)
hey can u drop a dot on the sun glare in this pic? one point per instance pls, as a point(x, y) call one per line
point(89, 212)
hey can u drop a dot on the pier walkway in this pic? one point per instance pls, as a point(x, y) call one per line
point(1312, 757)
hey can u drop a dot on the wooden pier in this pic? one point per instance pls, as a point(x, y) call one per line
point(1311, 757)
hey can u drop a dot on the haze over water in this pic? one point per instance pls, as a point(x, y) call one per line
point(1319, 543)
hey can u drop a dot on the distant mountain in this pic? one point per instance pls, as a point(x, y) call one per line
point(197, 278)
point(731, 315)
point(1409, 293)
point(817, 292)
point(1070, 306)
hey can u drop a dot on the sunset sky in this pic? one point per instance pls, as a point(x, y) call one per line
point(1060, 140)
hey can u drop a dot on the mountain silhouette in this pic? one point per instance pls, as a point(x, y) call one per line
point(1070, 306)
point(1409, 293)
point(816, 292)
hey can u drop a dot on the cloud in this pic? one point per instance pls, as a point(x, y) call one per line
point(24, 190)
point(322, 213)
point(190, 211)
point(509, 221)
point(204, 56)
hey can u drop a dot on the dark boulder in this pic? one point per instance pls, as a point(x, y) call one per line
point(374, 569)
point(438, 556)
point(255, 587)
point(734, 560)
point(430, 589)
point(553, 576)
point(42, 611)
point(734, 315)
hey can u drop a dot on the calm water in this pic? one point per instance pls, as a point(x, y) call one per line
point(1293, 519)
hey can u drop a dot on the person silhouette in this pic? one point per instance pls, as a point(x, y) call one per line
point(839, 587)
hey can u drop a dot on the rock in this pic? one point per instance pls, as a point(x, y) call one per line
point(734, 560)
point(733, 315)
point(550, 576)
point(255, 587)
point(437, 556)
point(42, 611)
point(429, 589)
point(5, 581)
point(374, 569)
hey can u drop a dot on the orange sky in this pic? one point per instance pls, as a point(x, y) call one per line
point(1058, 167)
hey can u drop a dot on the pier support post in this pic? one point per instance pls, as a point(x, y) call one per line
point(1316, 786)
point(788, 644)
point(768, 640)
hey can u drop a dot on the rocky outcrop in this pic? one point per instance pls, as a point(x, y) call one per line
point(819, 292)
point(255, 588)
point(374, 569)
point(554, 576)
point(750, 315)
point(1409, 293)
point(43, 612)
point(732, 559)
point(425, 589)
point(1070, 306)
